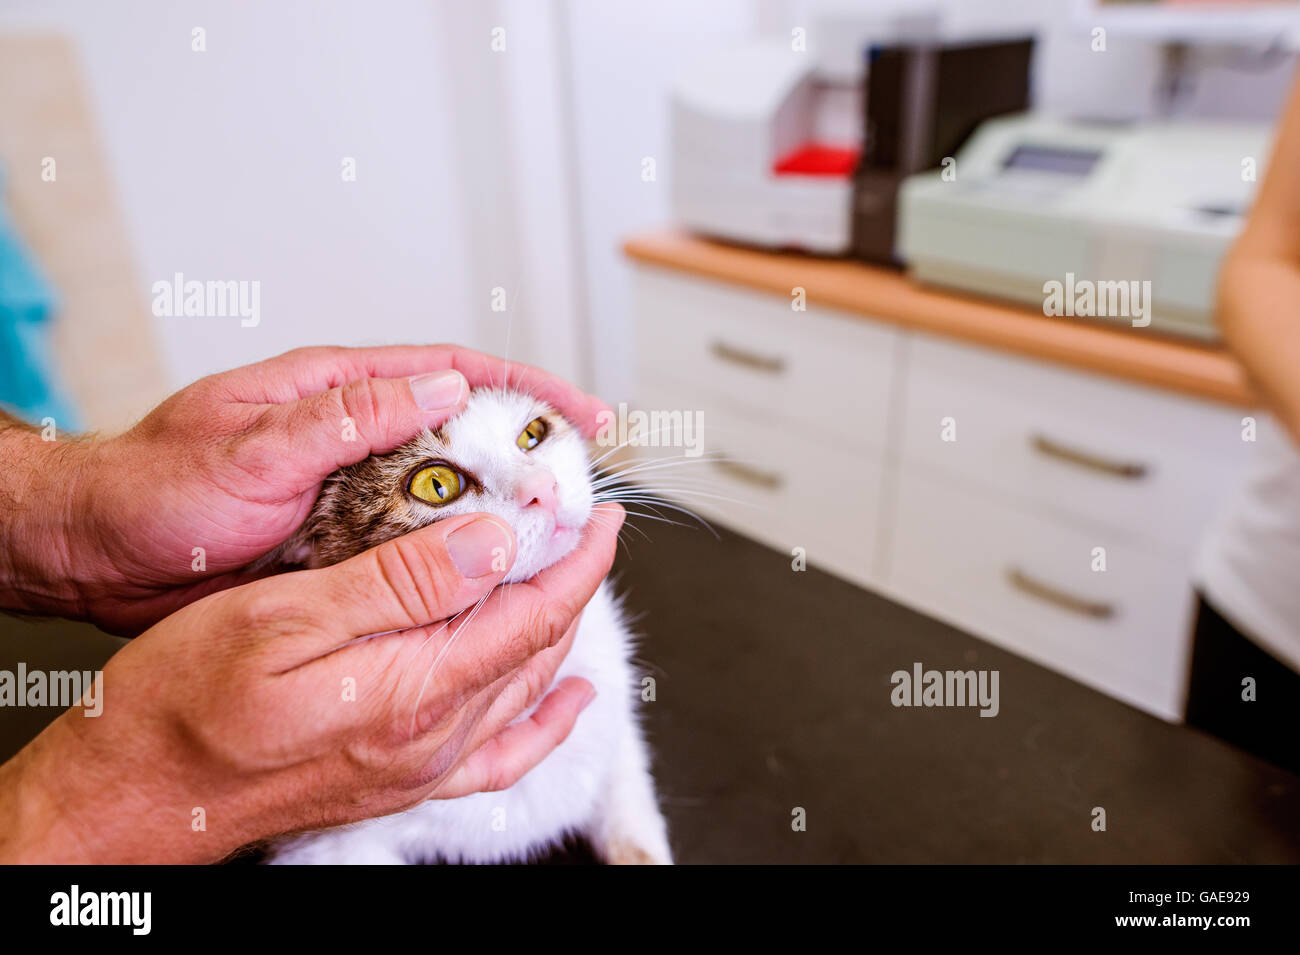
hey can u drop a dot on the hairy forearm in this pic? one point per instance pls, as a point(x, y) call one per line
point(62, 801)
point(39, 481)
point(1259, 313)
point(32, 825)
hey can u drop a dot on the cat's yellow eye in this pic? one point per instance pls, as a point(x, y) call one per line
point(437, 484)
point(532, 435)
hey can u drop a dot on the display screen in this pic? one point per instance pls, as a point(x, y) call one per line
point(1067, 162)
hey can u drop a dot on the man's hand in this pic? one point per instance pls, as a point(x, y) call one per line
point(306, 700)
point(123, 531)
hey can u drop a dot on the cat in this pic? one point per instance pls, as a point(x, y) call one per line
point(512, 455)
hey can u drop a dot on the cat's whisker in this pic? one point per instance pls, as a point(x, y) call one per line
point(633, 492)
point(655, 485)
point(663, 490)
point(700, 456)
point(686, 480)
point(613, 476)
point(637, 477)
point(608, 521)
point(655, 503)
point(665, 496)
point(445, 624)
point(602, 521)
point(636, 438)
point(668, 520)
point(642, 437)
point(443, 651)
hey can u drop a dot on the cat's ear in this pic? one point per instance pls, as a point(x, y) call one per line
point(297, 553)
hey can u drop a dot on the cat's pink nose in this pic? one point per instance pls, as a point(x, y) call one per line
point(537, 489)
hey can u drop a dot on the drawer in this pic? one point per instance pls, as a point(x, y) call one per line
point(786, 489)
point(1024, 580)
point(1142, 463)
point(819, 370)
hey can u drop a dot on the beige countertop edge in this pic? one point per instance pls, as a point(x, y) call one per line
point(880, 294)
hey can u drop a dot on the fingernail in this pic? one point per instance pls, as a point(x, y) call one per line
point(586, 700)
point(479, 548)
point(438, 390)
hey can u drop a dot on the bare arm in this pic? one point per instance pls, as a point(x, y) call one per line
point(1259, 286)
point(37, 509)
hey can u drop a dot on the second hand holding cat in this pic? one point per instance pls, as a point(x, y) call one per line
point(260, 733)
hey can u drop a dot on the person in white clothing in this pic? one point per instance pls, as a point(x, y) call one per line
point(1245, 678)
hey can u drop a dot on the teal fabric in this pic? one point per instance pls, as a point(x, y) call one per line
point(27, 382)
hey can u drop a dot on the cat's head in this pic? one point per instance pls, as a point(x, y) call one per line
point(506, 453)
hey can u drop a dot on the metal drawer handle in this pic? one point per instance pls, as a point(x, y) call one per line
point(767, 480)
point(1132, 470)
point(771, 364)
point(1053, 595)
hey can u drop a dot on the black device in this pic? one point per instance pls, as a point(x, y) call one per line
point(923, 99)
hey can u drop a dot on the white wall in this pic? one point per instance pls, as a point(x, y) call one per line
point(624, 58)
point(229, 164)
point(472, 172)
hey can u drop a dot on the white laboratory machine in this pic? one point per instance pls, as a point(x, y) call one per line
point(1031, 200)
point(763, 149)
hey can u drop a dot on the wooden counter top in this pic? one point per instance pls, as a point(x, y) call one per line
point(1205, 371)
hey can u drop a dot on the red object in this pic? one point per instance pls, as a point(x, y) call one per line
point(817, 159)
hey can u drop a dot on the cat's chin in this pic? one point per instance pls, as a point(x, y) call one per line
point(552, 549)
point(563, 540)
point(565, 537)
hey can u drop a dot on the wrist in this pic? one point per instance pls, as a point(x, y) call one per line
point(43, 560)
point(63, 803)
point(33, 828)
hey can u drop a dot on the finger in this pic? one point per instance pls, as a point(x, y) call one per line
point(510, 628)
point(424, 674)
point(420, 578)
point(403, 689)
point(317, 435)
point(449, 719)
point(503, 702)
point(582, 410)
point(513, 751)
point(305, 372)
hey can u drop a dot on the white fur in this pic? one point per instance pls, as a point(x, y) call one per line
point(597, 782)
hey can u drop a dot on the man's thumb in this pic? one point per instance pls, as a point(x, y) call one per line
point(367, 416)
point(420, 578)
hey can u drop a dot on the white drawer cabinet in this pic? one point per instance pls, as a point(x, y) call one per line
point(796, 411)
point(833, 428)
point(1142, 464)
point(1023, 578)
point(815, 370)
point(780, 485)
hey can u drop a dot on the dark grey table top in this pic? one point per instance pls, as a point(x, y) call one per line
point(773, 692)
